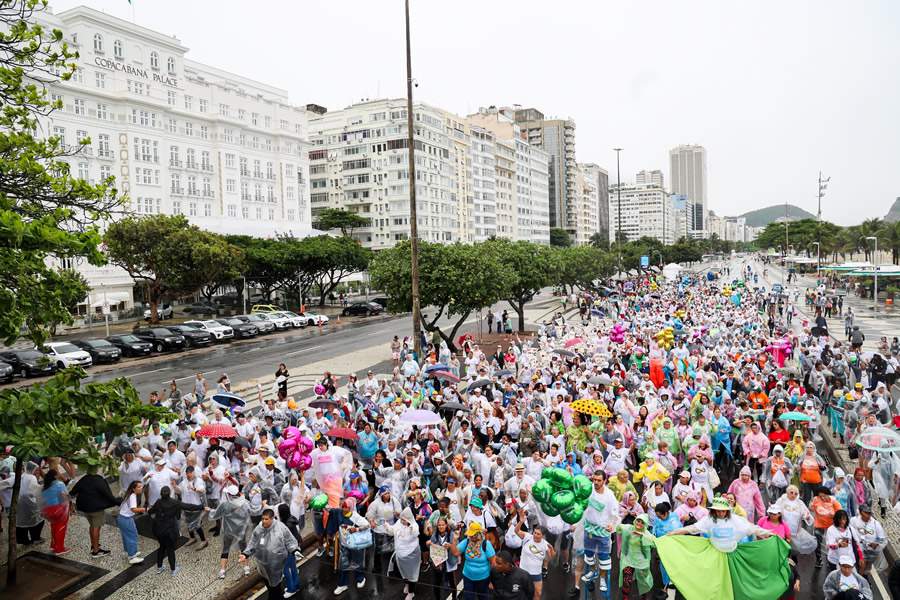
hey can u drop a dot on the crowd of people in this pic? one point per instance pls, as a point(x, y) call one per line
point(710, 430)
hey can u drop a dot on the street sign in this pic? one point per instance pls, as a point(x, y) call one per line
point(645, 262)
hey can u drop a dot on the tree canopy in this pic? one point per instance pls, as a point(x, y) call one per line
point(336, 218)
point(560, 237)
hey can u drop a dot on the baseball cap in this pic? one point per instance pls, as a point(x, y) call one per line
point(845, 559)
point(270, 461)
point(231, 490)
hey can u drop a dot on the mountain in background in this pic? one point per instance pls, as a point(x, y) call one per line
point(763, 216)
point(894, 214)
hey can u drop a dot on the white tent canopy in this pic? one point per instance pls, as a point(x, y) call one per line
point(671, 271)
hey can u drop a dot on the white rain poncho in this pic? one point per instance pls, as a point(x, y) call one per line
point(28, 510)
point(271, 547)
point(407, 554)
point(235, 515)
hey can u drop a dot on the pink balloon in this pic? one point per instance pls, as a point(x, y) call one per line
point(319, 389)
point(305, 462)
point(285, 447)
point(306, 444)
point(356, 494)
point(291, 432)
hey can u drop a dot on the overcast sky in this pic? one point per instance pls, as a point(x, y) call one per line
point(774, 90)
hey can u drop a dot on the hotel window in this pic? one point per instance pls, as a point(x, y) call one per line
point(172, 126)
point(245, 212)
point(98, 43)
point(100, 79)
point(204, 105)
point(242, 114)
point(154, 61)
point(176, 207)
point(188, 102)
point(207, 210)
point(171, 65)
point(189, 129)
point(172, 98)
point(259, 213)
point(229, 160)
point(83, 170)
point(204, 132)
point(79, 107)
point(192, 209)
point(105, 172)
point(230, 185)
point(232, 210)
point(60, 132)
point(117, 49)
point(271, 214)
point(268, 122)
point(223, 110)
point(80, 136)
point(291, 214)
point(254, 118)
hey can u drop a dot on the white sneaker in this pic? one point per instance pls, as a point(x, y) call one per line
point(289, 594)
point(222, 574)
point(136, 560)
point(340, 590)
point(360, 585)
point(602, 583)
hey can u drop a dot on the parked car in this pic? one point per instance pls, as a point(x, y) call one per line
point(214, 328)
point(363, 309)
point(202, 308)
point(101, 351)
point(262, 324)
point(29, 363)
point(66, 355)
point(130, 345)
point(382, 301)
point(281, 321)
point(313, 319)
point(7, 373)
point(296, 320)
point(193, 337)
point(162, 338)
point(239, 327)
point(264, 308)
point(165, 311)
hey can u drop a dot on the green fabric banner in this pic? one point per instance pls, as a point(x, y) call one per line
point(760, 570)
point(698, 570)
point(754, 571)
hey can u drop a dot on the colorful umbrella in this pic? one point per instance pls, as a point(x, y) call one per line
point(445, 376)
point(879, 439)
point(227, 399)
point(794, 416)
point(420, 418)
point(217, 430)
point(454, 406)
point(344, 433)
point(573, 342)
point(437, 367)
point(589, 406)
point(323, 403)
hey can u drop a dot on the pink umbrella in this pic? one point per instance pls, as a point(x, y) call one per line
point(420, 417)
point(573, 342)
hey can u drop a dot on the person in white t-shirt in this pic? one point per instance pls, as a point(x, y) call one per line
point(130, 470)
point(125, 520)
point(193, 491)
point(156, 480)
point(535, 553)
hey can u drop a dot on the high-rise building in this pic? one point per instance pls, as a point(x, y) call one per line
point(180, 137)
point(688, 177)
point(557, 138)
point(585, 212)
point(475, 177)
point(654, 177)
point(646, 212)
point(603, 201)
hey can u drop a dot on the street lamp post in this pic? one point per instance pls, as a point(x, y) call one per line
point(619, 207)
point(413, 222)
point(875, 260)
point(818, 254)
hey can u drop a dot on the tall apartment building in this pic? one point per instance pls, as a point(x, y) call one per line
point(528, 188)
point(474, 181)
point(180, 137)
point(688, 176)
point(585, 221)
point(603, 200)
point(654, 177)
point(646, 211)
point(557, 138)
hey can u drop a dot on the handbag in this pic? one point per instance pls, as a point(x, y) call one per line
point(714, 480)
point(357, 540)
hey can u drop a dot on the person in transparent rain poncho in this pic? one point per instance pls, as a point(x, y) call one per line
point(271, 543)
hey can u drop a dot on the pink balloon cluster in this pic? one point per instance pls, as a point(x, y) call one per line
point(295, 448)
point(780, 350)
point(617, 333)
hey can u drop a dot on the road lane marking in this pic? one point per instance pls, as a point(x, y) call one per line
point(302, 350)
point(151, 371)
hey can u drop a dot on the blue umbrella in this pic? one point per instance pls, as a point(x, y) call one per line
point(437, 367)
point(227, 399)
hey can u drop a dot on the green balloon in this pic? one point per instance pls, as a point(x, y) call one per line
point(319, 502)
point(547, 473)
point(562, 499)
point(561, 478)
point(583, 487)
point(548, 509)
point(573, 514)
point(542, 490)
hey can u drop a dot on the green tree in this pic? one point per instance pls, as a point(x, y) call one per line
point(336, 259)
point(45, 213)
point(530, 266)
point(599, 240)
point(218, 263)
point(582, 267)
point(560, 237)
point(457, 280)
point(63, 417)
point(336, 218)
point(165, 253)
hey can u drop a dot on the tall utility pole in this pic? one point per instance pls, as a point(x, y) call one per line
point(413, 222)
point(823, 185)
point(617, 239)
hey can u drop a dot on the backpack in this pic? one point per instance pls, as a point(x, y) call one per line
point(857, 337)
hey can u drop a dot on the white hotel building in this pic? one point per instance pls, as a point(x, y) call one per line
point(180, 137)
point(647, 210)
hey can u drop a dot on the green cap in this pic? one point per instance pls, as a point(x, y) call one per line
point(720, 503)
